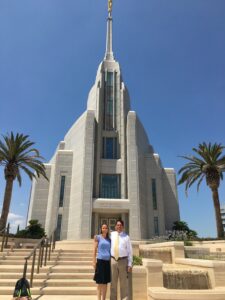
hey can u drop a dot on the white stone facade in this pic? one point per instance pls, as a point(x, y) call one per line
point(106, 169)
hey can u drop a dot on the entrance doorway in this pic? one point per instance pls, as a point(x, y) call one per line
point(110, 219)
point(111, 222)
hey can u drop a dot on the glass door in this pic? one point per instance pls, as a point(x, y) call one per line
point(111, 222)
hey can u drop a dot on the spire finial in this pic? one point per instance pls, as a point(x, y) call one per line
point(110, 4)
point(109, 51)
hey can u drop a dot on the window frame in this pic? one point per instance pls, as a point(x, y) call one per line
point(62, 190)
point(154, 193)
point(109, 192)
point(114, 150)
point(156, 226)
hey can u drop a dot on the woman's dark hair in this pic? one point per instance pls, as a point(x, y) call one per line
point(107, 234)
point(121, 221)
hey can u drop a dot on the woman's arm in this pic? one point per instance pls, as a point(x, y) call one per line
point(95, 251)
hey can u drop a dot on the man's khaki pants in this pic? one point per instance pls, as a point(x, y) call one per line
point(119, 271)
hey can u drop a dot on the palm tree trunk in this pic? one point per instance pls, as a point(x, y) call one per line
point(219, 224)
point(6, 202)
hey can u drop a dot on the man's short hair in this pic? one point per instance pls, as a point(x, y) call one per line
point(121, 221)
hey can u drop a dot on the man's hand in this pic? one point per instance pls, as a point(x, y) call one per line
point(129, 269)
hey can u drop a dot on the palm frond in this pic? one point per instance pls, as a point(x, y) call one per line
point(19, 178)
point(18, 151)
point(208, 160)
point(30, 174)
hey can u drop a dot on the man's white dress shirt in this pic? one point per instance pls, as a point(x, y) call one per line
point(125, 248)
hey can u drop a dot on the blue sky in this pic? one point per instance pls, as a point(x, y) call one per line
point(173, 63)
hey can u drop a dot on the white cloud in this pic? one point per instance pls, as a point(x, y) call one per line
point(14, 221)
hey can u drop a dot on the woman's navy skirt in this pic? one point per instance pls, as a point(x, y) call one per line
point(102, 272)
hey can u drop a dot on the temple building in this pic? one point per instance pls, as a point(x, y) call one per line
point(105, 168)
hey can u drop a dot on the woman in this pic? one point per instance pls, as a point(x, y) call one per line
point(102, 245)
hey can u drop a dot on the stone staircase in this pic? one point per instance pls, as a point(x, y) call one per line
point(68, 275)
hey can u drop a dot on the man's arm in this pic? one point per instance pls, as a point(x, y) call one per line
point(129, 254)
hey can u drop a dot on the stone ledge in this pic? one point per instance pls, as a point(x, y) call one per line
point(164, 245)
point(147, 262)
point(200, 262)
point(171, 294)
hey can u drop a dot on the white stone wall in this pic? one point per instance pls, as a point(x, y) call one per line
point(154, 171)
point(133, 177)
point(143, 165)
point(39, 198)
point(62, 167)
point(171, 204)
point(143, 148)
point(65, 160)
point(88, 169)
point(81, 140)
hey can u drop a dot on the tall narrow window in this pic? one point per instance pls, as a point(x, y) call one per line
point(58, 228)
point(109, 149)
point(154, 194)
point(156, 226)
point(62, 189)
point(110, 186)
point(109, 103)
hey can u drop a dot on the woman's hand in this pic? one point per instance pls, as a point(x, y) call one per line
point(94, 265)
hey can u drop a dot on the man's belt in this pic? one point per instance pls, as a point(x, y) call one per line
point(119, 258)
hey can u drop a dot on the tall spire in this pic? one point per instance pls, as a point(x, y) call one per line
point(109, 52)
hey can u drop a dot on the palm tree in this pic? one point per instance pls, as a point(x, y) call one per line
point(16, 155)
point(209, 164)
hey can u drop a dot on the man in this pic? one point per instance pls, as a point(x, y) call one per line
point(121, 261)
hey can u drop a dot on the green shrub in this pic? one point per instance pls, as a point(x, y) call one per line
point(137, 260)
point(188, 243)
point(33, 231)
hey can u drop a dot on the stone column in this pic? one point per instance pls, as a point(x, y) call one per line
point(96, 223)
point(154, 272)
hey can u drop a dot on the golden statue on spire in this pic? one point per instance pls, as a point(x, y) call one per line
point(110, 4)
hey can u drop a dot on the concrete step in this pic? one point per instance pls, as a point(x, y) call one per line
point(54, 272)
point(71, 263)
point(76, 254)
point(56, 297)
point(70, 283)
point(68, 245)
point(21, 262)
point(12, 282)
point(5, 290)
point(5, 297)
point(18, 257)
point(64, 297)
point(72, 269)
point(12, 262)
point(19, 269)
point(19, 253)
point(17, 276)
point(80, 249)
point(20, 249)
point(69, 291)
point(70, 276)
point(81, 258)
